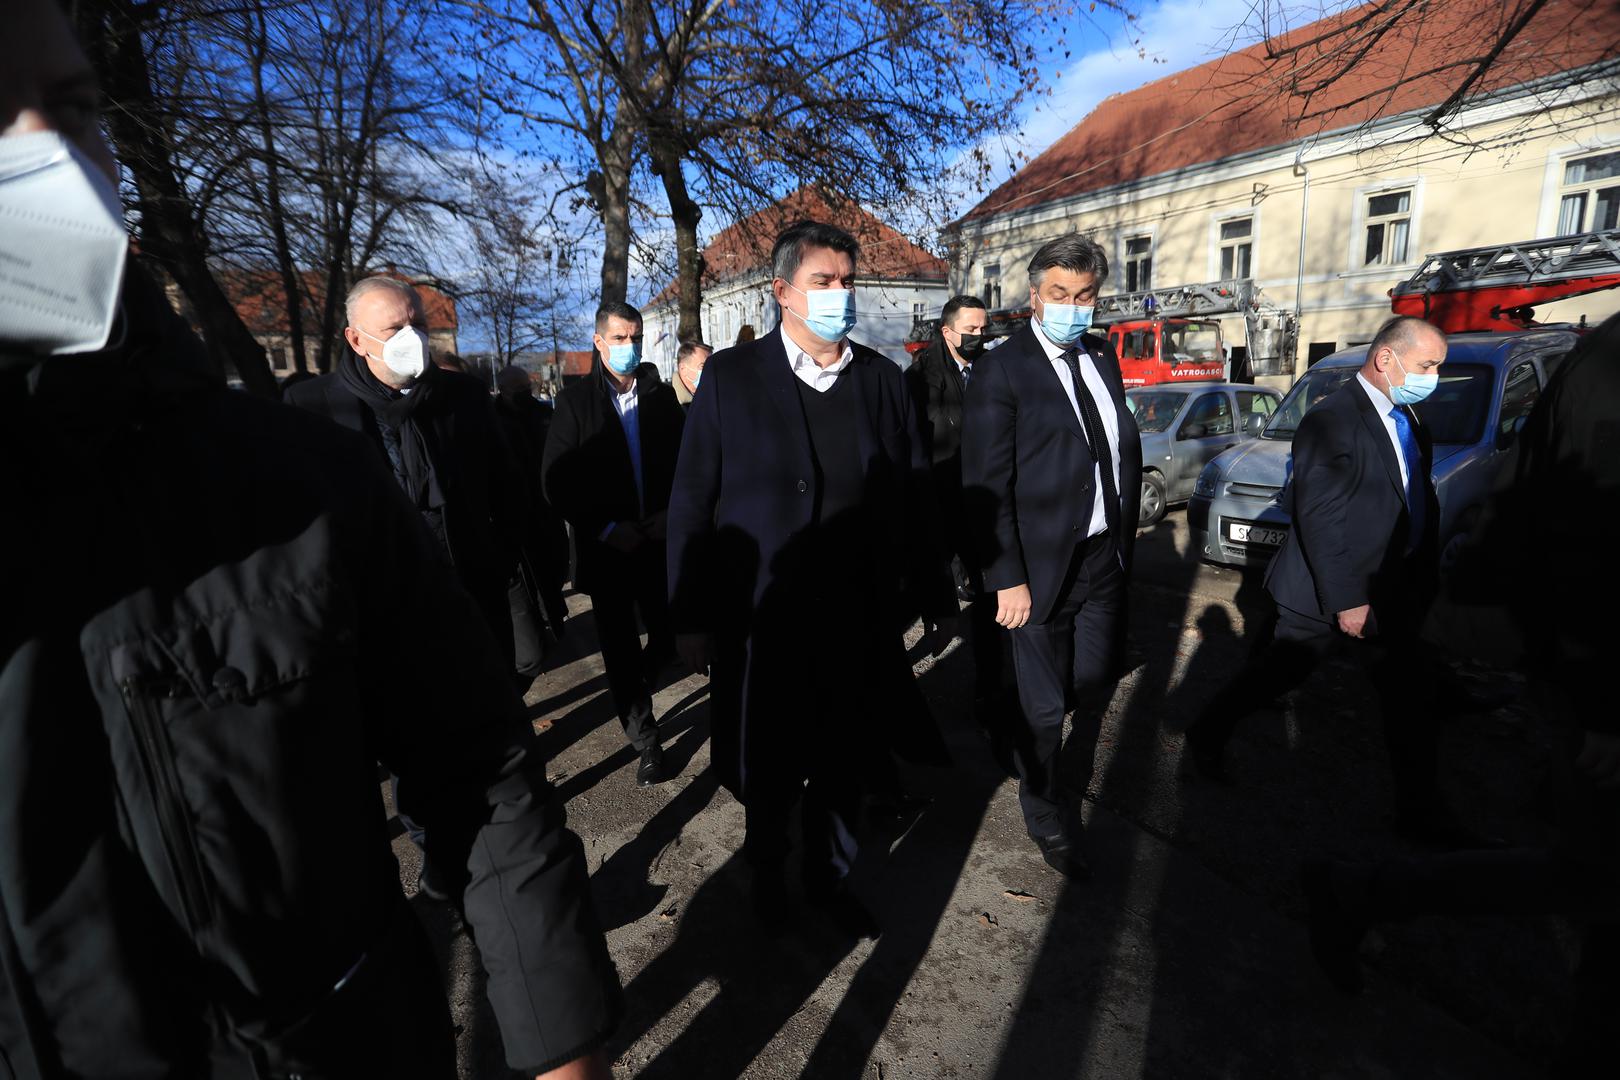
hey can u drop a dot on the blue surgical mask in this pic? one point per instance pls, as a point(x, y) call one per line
point(697, 378)
point(1064, 323)
point(1414, 389)
point(624, 358)
point(831, 312)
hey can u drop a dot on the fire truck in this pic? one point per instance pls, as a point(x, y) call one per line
point(1169, 335)
point(1497, 287)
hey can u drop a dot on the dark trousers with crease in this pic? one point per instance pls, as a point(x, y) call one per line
point(632, 670)
point(1292, 644)
point(1066, 662)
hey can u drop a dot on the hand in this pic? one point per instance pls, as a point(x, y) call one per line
point(697, 650)
point(656, 526)
point(1600, 758)
point(625, 537)
point(1354, 621)
point(590, 1067)
point(1012, 606)
point(939, 634)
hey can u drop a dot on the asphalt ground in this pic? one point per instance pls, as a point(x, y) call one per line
point(1184, 957)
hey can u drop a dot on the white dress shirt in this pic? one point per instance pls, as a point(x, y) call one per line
point(1386, 409)
point(813, 375)
point(1105, 407)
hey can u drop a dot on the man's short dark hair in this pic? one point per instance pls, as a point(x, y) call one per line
point(788, 251)
point(956, 304)
point(688, 349)
point(1402, 333)
point(615, 309)
point(1074, 253)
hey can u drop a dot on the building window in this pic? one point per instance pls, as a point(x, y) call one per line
point(1237, 248)
point(1590, 196)
point(1138, 263)
point(1389, 228)
point(992, 285)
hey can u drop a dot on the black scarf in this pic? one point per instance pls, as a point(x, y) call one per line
point(396, 418)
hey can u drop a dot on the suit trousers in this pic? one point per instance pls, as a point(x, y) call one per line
point(1068, 661)
point(985, 641)
point(631, 670)
point(1288, 649)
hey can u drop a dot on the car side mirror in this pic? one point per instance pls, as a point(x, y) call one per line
point(1193, 431)
point(1254, 425)
point(1509, 435)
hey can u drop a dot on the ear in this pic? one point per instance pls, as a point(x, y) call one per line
point(352, 336)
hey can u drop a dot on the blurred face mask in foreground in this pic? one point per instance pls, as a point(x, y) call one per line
point(62, 247)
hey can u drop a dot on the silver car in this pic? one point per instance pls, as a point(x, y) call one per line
point(1488, 385)
point(1186, 425)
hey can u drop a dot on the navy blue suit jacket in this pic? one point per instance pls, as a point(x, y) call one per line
point(1028, 477)
point(1348, 545)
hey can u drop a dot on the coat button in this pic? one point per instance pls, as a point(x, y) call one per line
point(803, 486)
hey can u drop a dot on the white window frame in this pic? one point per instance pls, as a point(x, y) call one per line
point(1552, 182)
point(1125, 237)
point(1358, 228)
point(1252, 213)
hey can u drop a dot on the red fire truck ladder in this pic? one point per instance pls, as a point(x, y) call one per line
point(1179, 301)
point(1496, 288)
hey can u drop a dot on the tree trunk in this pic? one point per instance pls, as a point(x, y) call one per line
point(170, 232)
point(613, 204)
point(667, 157)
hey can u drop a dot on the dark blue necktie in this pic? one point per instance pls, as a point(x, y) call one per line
point(1416, 499)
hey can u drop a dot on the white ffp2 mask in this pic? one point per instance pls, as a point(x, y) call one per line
point(62, 246)
point(405, 354)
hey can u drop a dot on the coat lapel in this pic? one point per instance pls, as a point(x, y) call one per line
point(781, 386)
point(1046, 374)
point(1380, 437)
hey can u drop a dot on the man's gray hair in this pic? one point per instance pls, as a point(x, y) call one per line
point(375, 283)
point(1074, 253)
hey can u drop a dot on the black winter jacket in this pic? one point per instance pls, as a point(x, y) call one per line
point(220, 614)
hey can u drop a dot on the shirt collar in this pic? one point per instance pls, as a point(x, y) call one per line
point(799, 360)
point(1381, 403)
point(616, 392)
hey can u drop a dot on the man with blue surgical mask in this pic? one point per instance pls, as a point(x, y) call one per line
point(803, 542)
point(1051, 464)
point(609, 462)
point(1359, 568)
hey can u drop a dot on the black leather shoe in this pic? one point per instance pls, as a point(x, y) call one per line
point(1335, 936)
point(427, 885)
point(1208, 760)
point(1064, 855)
point(651, 770)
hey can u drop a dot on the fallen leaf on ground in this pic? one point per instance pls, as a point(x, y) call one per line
point(987, 919)
point(1020, 895)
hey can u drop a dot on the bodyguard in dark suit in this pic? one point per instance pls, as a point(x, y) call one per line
point(610, 457)
point(1360, 565)
point(800, 526)
point(1051, 462)
point(938, 381)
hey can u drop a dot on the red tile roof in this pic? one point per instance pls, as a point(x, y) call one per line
point(745, 246)
point(569, 361)
point(262, 303)
point(1241, 102)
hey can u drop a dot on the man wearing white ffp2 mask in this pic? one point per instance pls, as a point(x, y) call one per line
point(62, 239)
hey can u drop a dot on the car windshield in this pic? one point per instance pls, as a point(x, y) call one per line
point(1198, 342)
point(1315, 385)
point(1454, 413)
point(1154, 409)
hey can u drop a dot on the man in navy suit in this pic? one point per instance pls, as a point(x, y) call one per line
point(802, 541)
point(1051, 471)
point(1360, 565)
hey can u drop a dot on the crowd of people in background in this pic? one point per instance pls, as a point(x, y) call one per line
point(229, 607)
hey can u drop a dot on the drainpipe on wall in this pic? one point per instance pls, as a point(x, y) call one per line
point(1299, 280)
